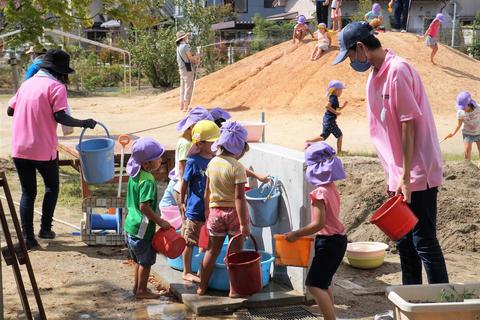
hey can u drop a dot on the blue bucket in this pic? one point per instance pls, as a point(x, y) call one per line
point(96, 158)
point(263, 204)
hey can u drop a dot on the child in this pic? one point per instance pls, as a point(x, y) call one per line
point(335, 89)
point(337, 15)
point(172, 192)
point(301, 29)
point(219, 115)
point(204, 133)
point(141, 218)
point(432, 33)
point(375, 17)
point(324, 40)
point(225, 198)
point(323, 168)
point(468, 115)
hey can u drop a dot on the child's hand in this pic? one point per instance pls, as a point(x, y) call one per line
point(245, 230)
point(263, 178)
point(345, 104)
point(338, 113)
point(291, 236)
point(164, 224)
point(449, 136)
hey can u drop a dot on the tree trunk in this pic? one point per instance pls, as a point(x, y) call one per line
point(15, 75)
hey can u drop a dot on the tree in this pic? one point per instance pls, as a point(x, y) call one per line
point(139, 15)
point(364, 6)
point(268, 33)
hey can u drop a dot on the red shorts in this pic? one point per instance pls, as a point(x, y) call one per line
point(223, 221)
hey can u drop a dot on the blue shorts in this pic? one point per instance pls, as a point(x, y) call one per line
point(470, 138)
point(141, 251)
point(429, 41)
point(331, 127)
point(329, 252)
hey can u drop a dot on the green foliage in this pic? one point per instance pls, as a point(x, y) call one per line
point(474, 49)
point(154, 53)
point(139, 15)
point(363, 7)
point(268, 33)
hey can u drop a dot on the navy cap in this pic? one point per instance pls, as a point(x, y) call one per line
point(349, 36)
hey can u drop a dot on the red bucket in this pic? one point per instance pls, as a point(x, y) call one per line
point(168, 242)
point(394, 218)
point(244, 270)
point(204, 238)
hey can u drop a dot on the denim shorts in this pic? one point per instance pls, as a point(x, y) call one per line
point(471, 139)
point(141, 251)
point(429, 41)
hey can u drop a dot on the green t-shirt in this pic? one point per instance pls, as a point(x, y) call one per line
point(140, 189)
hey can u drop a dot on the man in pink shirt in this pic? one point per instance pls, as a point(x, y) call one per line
point(403, 132)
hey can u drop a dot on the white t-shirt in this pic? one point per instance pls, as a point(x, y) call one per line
point(471, 121)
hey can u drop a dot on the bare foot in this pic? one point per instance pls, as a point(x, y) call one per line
point(236, 296)
point(147, 295)
point(190, 277)
point(201, 291)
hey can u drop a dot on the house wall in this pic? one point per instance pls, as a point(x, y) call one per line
point(253, 7)
point(305, 7)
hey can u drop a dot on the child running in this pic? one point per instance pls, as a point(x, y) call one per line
point(324, 40)
point(432, 33)
point(323, 168)
point(375, 17)
point(468, 114)
point(335, 89)
point(219, 115)
point(204, 133)
point(336, 15)
point(301, 29)
point(142, 218)
point(225, 198)
point(171, 195)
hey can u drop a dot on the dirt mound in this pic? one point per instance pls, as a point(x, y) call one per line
point(458, 218)
point(283, 78)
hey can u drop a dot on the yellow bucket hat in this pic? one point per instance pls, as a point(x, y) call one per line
point(205, 130)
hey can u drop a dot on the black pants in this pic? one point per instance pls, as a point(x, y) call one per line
point(322, 12)
point(401, 14)
point(27, 173)
point(421, 244)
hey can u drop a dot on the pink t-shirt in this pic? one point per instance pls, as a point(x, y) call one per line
point(329, 194)
point(434, 28)
point(34, 130)
point(395, 93)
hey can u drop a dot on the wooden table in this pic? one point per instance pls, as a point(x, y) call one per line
point(69, 156)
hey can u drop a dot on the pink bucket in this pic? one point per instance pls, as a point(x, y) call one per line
point(172, 215)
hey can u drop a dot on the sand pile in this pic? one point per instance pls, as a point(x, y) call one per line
point(283, 78)
point(458, 219)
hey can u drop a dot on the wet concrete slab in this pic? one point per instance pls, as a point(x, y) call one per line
point(216, 302)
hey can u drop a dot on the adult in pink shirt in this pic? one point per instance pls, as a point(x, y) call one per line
point(39, 104)
point(432, 33)
point(403, 132)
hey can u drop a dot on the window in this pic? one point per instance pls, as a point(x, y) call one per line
point(268, 3)
point(241, 6)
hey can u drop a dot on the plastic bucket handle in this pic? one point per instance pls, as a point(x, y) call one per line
point(274, 181)
point(83, 132)
point(233, 239)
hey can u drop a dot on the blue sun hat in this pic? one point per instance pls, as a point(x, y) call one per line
point(195, 115)
point(323, 166)
point(143, 149)
point(233, 138)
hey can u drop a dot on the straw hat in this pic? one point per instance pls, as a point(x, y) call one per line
point(181, 35)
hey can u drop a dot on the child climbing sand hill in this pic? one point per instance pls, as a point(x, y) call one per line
point(301, 29)
point(324, 40)
point(468, 115)
point(375, 17)
point(204, 133)
point(323, 168)
point(142, 218)
point(225, 197)
point(334, 91)
point(432, 33)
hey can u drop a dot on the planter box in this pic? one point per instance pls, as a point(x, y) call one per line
point(417, 302)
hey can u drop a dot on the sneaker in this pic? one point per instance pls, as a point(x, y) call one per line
point(403, 31)
point(31, 243)
point(395, 30)
point(387, 315)
point(46, 234)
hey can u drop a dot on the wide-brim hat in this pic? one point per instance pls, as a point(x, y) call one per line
point(57, 60)
point(349, 36)
point(195, 115)
point(322, 164)
point(464, 99)
point(181, 35)
point(143, 149)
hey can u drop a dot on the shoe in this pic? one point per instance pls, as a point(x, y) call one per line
point(44, 234)
point(387, 315)
point(31, 243)
point(403, 31)
point(395, 30)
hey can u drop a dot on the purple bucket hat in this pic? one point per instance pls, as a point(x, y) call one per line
point(376, 8)
point(195, 115)
point(334, 84)
point(323, 166)
point(233, 138)
point(440, 17)
point(219, 113)
point(143, 149)
point(464, 99)
point(301, 19)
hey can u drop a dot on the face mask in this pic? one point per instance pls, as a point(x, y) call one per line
point(359, 66)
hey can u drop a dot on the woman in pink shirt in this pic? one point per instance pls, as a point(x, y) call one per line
point(323, 168)
point(431, 35)
point(39, 104)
